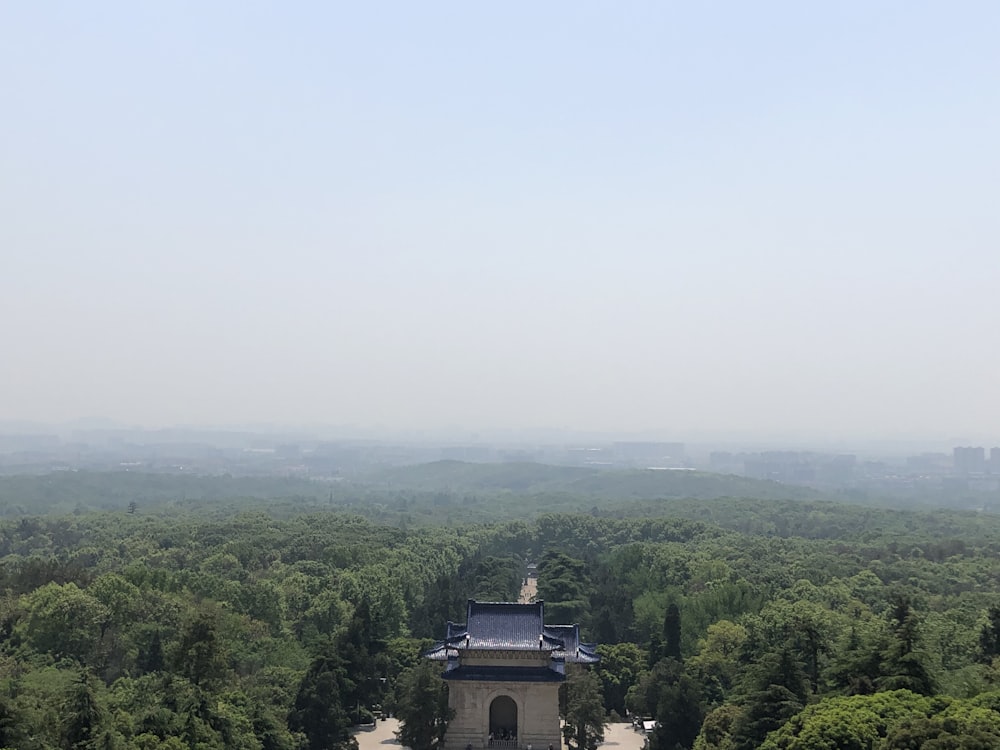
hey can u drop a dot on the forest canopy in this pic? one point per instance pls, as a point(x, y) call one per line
point(163, 612)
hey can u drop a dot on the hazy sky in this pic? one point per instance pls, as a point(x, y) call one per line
point(668, 217)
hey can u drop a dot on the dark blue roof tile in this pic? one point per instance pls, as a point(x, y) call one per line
point(505, 625)
point(510, 626)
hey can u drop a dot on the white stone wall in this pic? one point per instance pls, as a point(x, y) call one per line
point(537, 713)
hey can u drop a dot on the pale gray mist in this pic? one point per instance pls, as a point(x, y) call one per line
point(672, 218)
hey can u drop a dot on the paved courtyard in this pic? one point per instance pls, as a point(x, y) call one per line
point(382, 737)
point(622, 736)
point(619, 736)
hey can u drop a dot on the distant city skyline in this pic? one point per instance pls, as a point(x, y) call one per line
point(895, 473)
point(701, 442)
point(768, 220)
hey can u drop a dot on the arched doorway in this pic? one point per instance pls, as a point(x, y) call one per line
point(503, 722)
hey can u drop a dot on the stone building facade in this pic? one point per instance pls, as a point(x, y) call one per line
point(504, 666)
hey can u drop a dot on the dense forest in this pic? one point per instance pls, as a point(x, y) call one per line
point(157, 611)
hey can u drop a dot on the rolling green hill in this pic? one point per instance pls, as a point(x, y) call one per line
point(609, 484)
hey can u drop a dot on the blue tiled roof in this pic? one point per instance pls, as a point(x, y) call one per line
point(573, 649)
point(505, 625)
point(440, 652)
point(510, 626)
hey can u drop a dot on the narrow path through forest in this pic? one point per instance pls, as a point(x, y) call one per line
point(528, 591)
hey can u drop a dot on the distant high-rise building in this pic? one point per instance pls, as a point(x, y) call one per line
point(995, 460)
point(930, 463)
point(641, 452)
point(969, 460)
point(725, 462)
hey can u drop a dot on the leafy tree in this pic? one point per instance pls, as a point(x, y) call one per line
point(717, 660)
point(270, 730)
point(64, 620)
point(857, 722)
point(679, 714)
point(781, 693)
point(584, 717)
point(672, 632)
point(199, 655)
point(563, 585)
point(989, 635)
point(356, 646)
point(422, 707)
point(11, 723)
point(767, 710)
point(150, 657)
point(718, 727)
point(618, 670)
point(944, 732)
point(858, 661)
point(892, 720)
point(496, 579)
point(797, 622)
point(605, 625)
point(644, 697)
point(319, 713)
point(83, 716)
point(904, 667)
point(811, 629)
point(613, 618)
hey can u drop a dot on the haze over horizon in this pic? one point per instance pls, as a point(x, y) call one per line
point(775, 218)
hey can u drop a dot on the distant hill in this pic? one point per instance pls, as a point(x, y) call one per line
point(452, 493)
point(617, 484)
point(69, 491)
point(444, 491)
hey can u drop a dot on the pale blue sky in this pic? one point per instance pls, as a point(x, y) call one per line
point(773, 217)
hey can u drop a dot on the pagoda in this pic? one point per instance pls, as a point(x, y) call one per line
point(504, 666)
